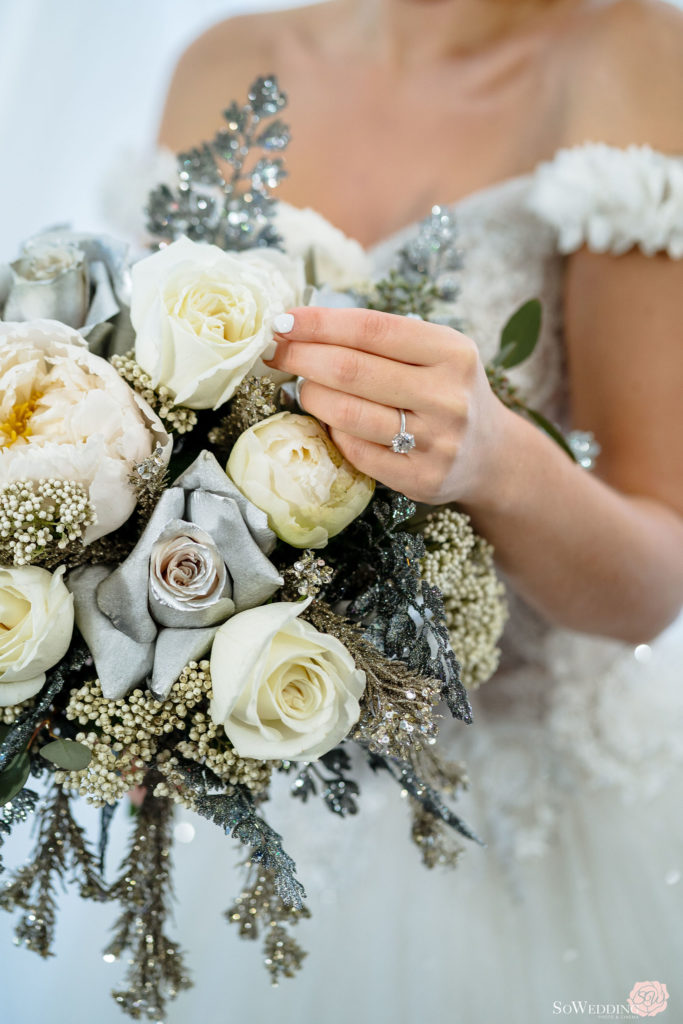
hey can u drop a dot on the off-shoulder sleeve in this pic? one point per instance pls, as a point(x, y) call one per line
point(611, 199)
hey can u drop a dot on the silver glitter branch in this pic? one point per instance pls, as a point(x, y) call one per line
point(424, 274)
point(258, 910)
point(61, 850)
point(235, 813)
point(338, 791)
point(429, 798)
point(14, 812)
point(20, 733)
point(156, 972)
point(223, 196)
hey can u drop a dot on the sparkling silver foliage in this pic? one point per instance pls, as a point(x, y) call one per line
point(433, 253)
point(427, 796)
point(235, 813)
point(228, 206)
point(16, 811)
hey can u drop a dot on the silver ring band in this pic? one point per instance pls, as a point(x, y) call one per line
point(403, 442)
point(297, 389)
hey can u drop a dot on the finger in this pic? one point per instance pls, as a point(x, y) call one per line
point(356, 373)
point(353, 415)
point(379, 462)
point(402, 338)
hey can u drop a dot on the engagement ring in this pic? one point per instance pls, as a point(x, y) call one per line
point(403, 442)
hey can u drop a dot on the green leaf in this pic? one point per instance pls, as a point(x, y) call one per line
point(14, 777)
point(67, 754)
point(519, 336)
point(551, 430)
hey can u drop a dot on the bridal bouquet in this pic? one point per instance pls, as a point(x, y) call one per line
point(196, 589)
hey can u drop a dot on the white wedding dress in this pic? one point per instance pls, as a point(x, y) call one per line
point(574, 757)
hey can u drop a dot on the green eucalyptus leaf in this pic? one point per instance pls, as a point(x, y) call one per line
point(551, 430)
point(519, 336)
point(14, 777)
point(67, 754)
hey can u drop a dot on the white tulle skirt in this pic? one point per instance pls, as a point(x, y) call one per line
point(526, 931)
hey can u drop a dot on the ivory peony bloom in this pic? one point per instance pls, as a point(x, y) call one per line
point(36, 623)
point(67, 414)
point(282, 689)
point(203, 317)
point(288, 466)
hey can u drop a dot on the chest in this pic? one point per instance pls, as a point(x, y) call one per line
point(372, 154)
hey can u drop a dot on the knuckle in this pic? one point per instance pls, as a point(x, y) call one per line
point(431, 483)
point(350, 447)
point(468, 357)
point(345, 367)
point(314, 319)
point(349, 413)
point(449, 446)
point(376, 326)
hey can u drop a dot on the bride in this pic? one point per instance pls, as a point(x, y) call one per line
point(552, 129)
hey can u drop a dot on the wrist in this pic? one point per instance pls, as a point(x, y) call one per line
point(500, 470)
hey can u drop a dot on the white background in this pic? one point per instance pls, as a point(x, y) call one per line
point(81, 80)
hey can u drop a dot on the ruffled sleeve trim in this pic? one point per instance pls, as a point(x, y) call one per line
point(611, 199)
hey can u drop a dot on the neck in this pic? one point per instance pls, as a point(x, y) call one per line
point(409, 33)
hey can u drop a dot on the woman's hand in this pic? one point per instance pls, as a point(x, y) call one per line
point(362, 367)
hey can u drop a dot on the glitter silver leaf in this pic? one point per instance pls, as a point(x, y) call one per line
point(235, 813)
point(20, 732)
point(266, 97)
point(223, 196)
point(426, 795)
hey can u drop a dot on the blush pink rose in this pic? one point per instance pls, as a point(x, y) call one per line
point(648, 998)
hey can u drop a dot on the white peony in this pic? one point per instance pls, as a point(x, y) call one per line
point(288, 466)
point(203, 317)
point(67, 414)
point(36, 623)
point(282, 689)
point(339, 261)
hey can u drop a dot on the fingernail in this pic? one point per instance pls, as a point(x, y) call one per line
point(283, 323)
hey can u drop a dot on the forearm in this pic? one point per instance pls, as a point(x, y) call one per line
point(585, 555)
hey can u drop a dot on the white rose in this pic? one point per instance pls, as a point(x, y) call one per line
point(288, 466)
point(66, 413)
point(36, 623)
point(281, 689)
point(203, 317)
point(339, 261)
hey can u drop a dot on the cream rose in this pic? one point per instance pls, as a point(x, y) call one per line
point(288, 467)
point(338, 261)
point(36, 623)
point(281, 689)
point(203, 317)
point(66, 414)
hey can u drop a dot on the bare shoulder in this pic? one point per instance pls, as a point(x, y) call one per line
point(219, 65)
point(627, 78)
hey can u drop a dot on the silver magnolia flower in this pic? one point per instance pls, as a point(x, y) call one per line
point(79, 279)
point(201, 558)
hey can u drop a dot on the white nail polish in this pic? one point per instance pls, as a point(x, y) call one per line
point(283, 323)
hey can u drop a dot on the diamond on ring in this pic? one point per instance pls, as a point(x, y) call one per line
point(403, 442)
